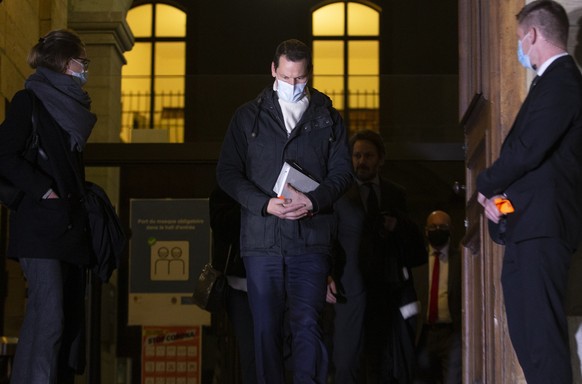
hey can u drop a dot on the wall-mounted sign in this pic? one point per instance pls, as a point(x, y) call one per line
point(169, 245)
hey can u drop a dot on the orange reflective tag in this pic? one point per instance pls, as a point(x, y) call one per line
point(504, 205)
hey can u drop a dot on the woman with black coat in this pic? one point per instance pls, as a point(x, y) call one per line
point(48, 228)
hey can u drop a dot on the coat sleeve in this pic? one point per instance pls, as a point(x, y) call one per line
point(14, 132)
point(339, 169)
point(540, 125)
point(231, 167)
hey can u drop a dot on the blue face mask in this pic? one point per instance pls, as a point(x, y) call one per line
point(522, 57)
point(290, 93)
point(80, 77)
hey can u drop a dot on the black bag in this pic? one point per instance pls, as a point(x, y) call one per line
point(211, 287)
point(107, 237)
point(210, 291)
point(10, 196)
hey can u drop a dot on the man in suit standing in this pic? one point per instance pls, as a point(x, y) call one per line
point(539, 171)
point(438, 285)
point(379, 244)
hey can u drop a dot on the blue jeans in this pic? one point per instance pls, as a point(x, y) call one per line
point(51, 342)
point(291, 287)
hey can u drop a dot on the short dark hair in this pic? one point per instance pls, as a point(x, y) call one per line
point(372, 137)
point(56, 49)
point(549, 17)
point(294, 50)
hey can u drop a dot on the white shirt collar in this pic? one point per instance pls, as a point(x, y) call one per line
point(547, 63)
point(444, 251)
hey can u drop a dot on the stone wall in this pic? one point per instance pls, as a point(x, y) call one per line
point(21, 24)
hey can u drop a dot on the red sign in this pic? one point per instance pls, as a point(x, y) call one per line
point(171, 355)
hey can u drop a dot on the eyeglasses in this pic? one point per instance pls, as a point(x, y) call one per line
point(82, 61)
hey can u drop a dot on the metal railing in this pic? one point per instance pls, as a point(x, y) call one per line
point(165, 123)
point(363, 111)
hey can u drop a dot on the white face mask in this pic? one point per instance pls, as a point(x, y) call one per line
point(290, 93)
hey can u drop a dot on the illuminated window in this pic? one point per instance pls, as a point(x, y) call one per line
point(346, 59)
point(153, 79)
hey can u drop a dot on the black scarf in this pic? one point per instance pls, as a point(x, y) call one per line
point(66, 102)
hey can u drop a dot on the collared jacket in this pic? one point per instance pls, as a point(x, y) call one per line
point(254, 149)
point(539, 167)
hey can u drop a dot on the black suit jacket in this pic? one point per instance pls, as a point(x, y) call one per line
point(358, 239)
point(540, 164)
point(405, 243)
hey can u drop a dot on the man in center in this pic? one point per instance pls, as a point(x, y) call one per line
point(285, 242)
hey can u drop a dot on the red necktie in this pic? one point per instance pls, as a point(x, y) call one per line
point(433, 309)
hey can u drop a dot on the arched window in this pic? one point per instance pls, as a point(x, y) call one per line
point(153, 79)
point(346, 57)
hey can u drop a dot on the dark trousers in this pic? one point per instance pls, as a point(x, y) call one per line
point(297, 285)
point(51, 342)
point(439, 355)
point(348, 332)
point(239, 314)
point(534, 279)
point(378, 362)
point(388, 355)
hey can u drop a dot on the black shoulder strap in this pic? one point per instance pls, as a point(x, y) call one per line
point(32, 148)
point(34, 113)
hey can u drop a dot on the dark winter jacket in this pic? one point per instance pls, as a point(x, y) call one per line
point(255, 147)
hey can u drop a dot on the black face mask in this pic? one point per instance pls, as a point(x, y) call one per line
point(438, 237)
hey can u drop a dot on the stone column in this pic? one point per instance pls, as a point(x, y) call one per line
point(104, 29)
